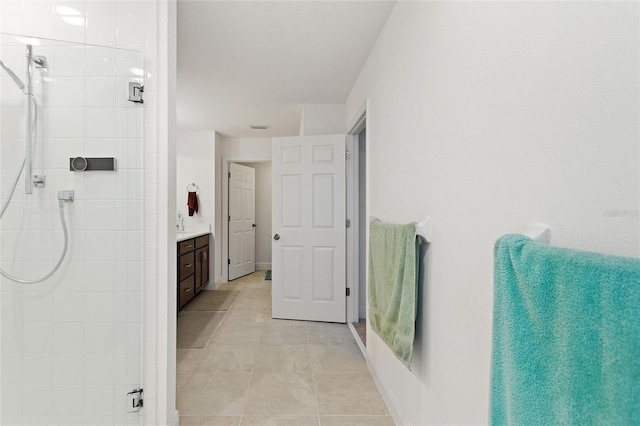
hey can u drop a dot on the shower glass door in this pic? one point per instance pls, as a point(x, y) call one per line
point(70, 346)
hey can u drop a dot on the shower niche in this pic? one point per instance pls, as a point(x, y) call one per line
point(71, 344)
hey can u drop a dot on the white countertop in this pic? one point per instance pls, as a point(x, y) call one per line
point(181, 236)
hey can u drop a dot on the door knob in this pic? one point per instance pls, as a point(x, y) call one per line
point(276, 237)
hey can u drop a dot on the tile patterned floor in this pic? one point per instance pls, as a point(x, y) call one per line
point(264, 372)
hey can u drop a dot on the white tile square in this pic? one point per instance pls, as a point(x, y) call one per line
point(69, 28)
point(103, 277)
point(102, 185)
point(99, 338)
point(101, 7)
point(127, 369)
point(11, 402)
point(11, 338)
point(100, 246)
point(40, 399)
point(99, 307)
point(99, 369)
point(66, 122)
point(98, 400)
point(101, 30)
point(68, 338)
point(100, 215)
point(38, 307)
point(127, 339)
point(100, 62)
point(130, 34)
point(68, 92)
point(67, 307)
point(100, 92)
point(67, 369)
point(38, 337)
point(37, 369)
point(11, 365)
point(128, 309)
point(68, 61)
point(66, 399)
point(100, 122)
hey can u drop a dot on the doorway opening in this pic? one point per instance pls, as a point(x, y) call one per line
point(248, 208)
point(357, 205)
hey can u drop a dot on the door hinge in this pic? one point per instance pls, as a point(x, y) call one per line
point(135, 400)
point(229, 174)
point(348, 291)
point(348, 223)
point(228, 261)
point(229, 220)
point(135, 92)
point(347, 155)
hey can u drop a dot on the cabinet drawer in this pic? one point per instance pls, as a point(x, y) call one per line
point(186, 266)
point(186, 246)
point(202, 241)
point(186, 290)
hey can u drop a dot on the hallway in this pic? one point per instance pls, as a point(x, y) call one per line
point(259, 371)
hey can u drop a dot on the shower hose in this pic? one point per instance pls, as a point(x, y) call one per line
point(62, 221)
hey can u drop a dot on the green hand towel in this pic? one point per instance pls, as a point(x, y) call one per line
point(393, 276)
point(566, 336)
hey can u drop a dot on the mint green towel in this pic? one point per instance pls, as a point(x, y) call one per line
point(566, 336)
point(393, 277)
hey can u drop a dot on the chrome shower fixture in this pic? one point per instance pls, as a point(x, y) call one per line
point(13, 75)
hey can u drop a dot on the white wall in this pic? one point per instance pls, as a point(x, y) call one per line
point(195, 163)
point(263, 213)
point(85, 360)
point(489, 116)
point(322, 119)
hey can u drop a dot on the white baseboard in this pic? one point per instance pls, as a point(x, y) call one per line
point(175, 419)
point(263, 266)
point(391, 404)
point(356, 336)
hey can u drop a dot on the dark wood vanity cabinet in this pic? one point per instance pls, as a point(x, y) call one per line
point(193, 268)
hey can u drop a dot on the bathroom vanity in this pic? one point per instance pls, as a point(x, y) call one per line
point(193, 265)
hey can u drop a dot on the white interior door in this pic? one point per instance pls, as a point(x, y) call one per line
point(242, 220)
point(308, 218)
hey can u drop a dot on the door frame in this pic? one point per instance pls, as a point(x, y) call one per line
point(224, 247)
point(358, 122)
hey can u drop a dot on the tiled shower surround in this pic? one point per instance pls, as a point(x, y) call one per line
point(72, 346)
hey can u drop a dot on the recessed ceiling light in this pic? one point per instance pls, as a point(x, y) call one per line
point(260, 126)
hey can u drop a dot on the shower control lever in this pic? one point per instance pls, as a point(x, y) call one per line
point(38, 181)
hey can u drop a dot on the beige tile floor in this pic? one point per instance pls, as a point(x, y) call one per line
point(259, 371)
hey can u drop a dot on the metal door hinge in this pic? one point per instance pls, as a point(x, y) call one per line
point(135, 400)
point(228, 261)
point(348, 291)
point(135, 92)
point(348, 223)
point(229, 220)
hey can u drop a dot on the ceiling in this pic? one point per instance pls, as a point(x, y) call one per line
point(258, 62)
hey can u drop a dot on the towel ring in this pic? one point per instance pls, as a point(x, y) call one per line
point(192, 185)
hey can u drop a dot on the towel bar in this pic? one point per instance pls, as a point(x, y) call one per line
point(423, 230)
point(538, 232)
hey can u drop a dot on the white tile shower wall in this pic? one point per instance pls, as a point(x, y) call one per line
point(62, 340)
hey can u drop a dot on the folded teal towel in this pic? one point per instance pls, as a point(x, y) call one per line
point(566, 336)
point(393, 277)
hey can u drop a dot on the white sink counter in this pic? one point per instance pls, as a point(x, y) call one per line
point(181, 236)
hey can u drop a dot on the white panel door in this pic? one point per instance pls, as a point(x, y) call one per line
point(242, 220)
point(308, 218)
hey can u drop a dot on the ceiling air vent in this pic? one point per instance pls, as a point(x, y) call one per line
point(259, 126)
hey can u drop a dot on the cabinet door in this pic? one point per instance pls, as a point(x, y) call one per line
point(202, 268)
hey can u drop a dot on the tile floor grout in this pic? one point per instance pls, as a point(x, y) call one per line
point(270, 354)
